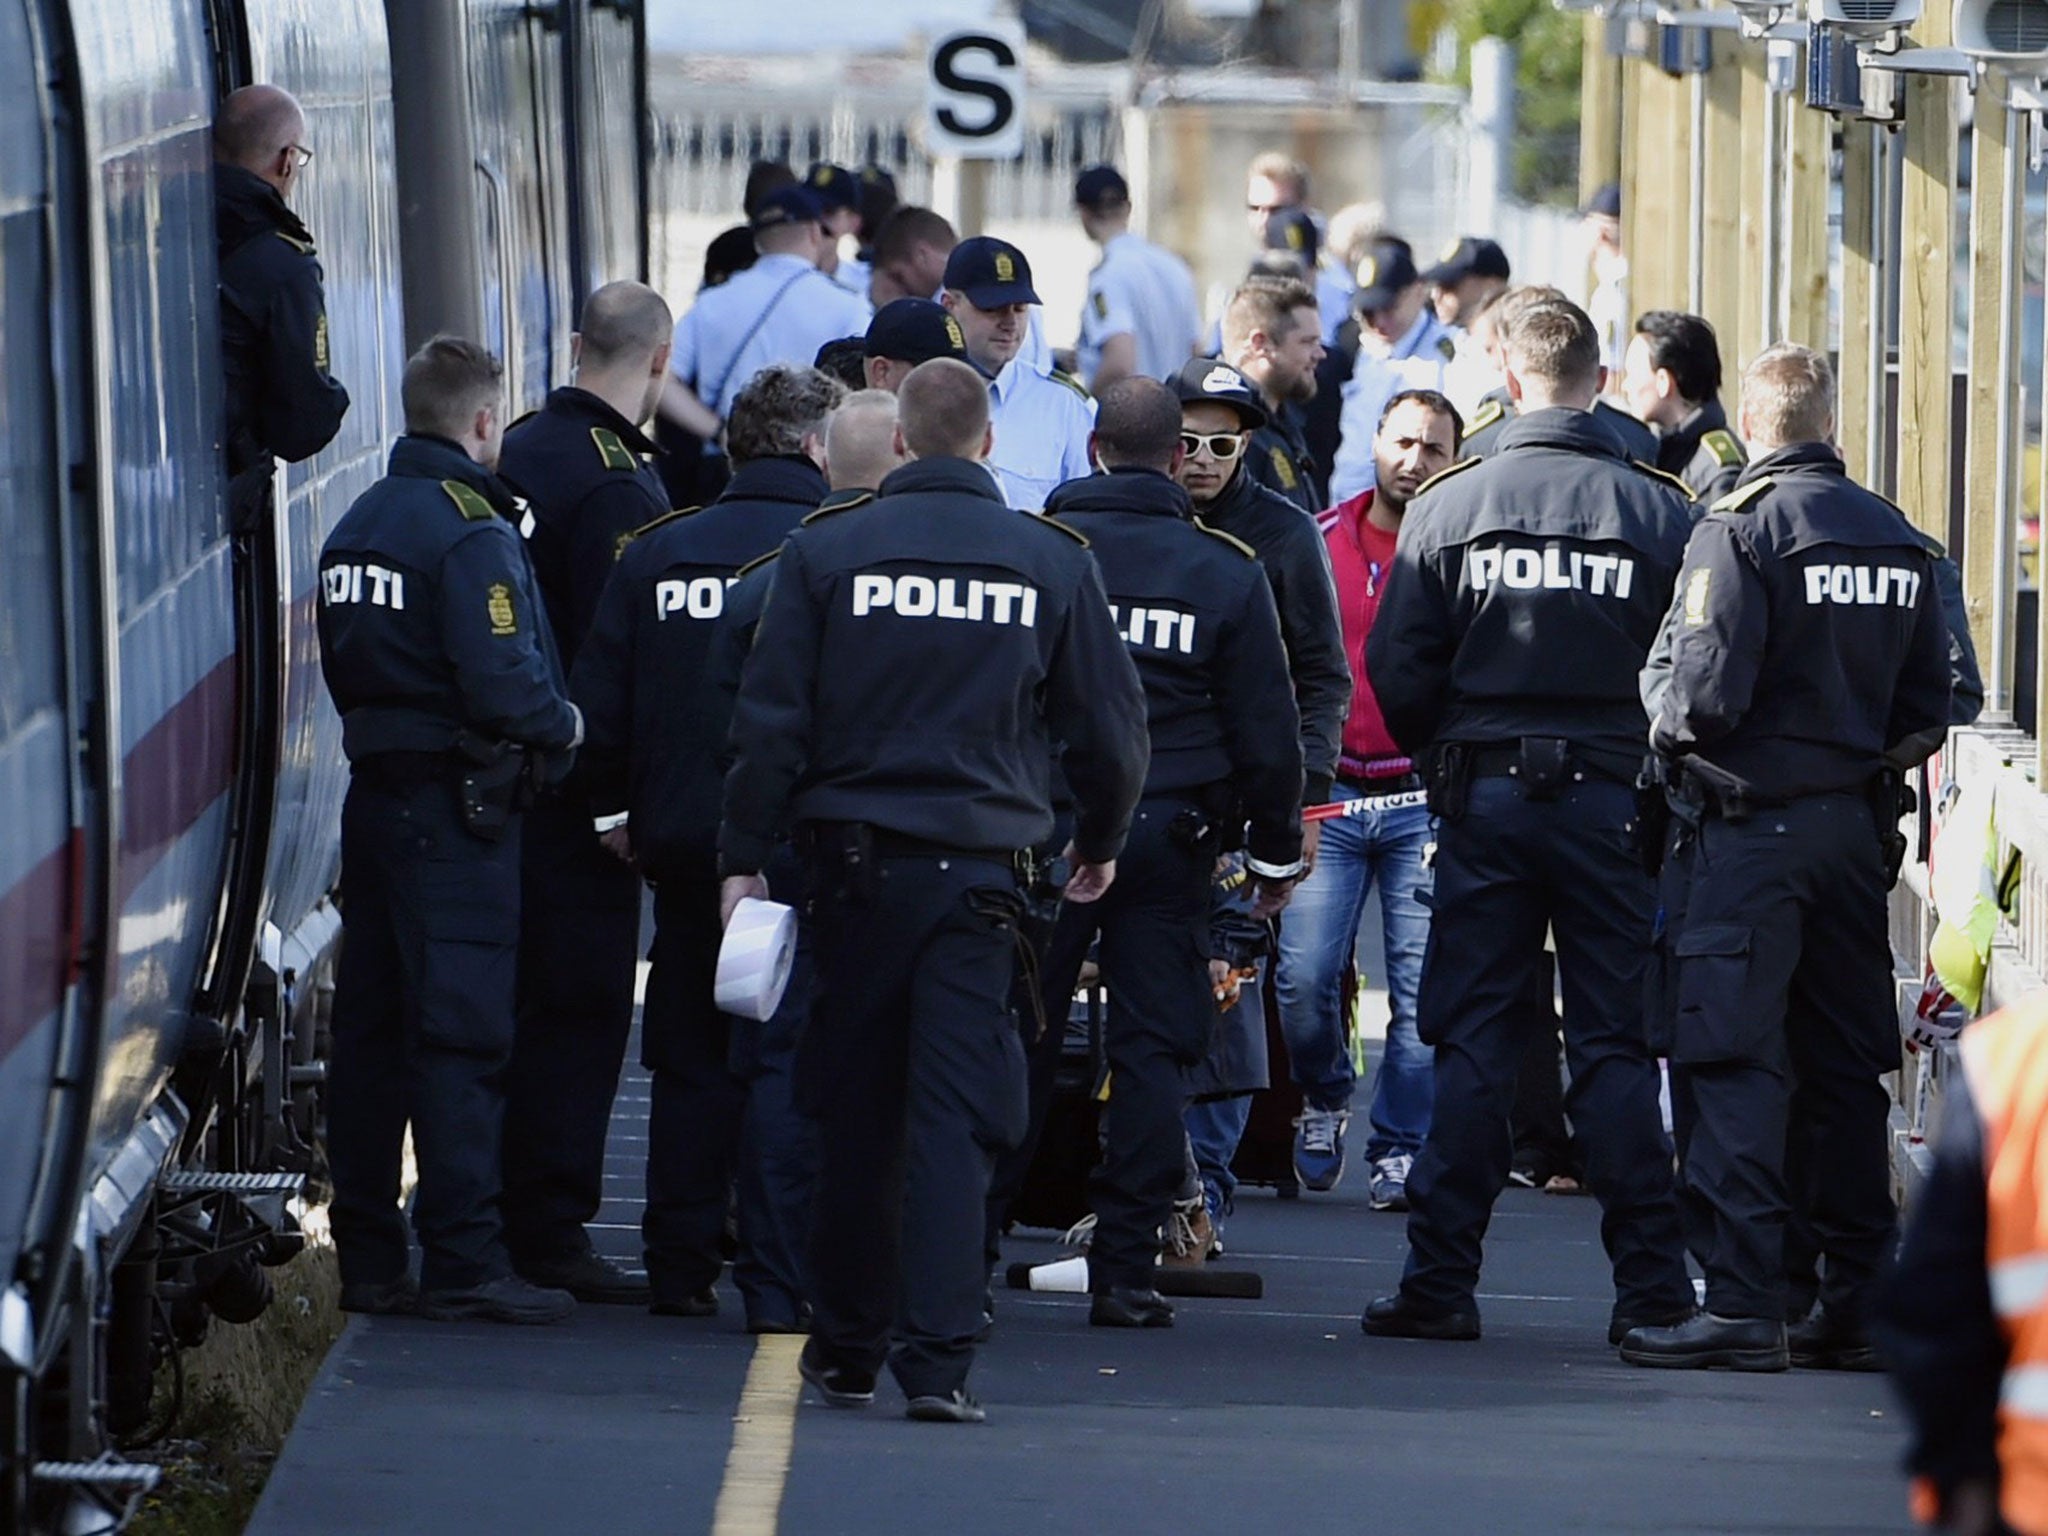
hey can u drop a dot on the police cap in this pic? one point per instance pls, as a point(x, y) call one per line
point(1385, 272)
point(1293, 230)
point(833, 186)
point(1469, 256)
point(1212, 379)
point(1605, 202)
point(990, 272)
point(1100, 184)
point(787, 205)
point(914, 331)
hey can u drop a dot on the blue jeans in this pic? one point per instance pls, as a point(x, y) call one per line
point(1215, 1127)
point(1318, 933)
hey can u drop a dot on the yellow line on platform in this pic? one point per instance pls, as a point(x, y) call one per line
point(763, 1439)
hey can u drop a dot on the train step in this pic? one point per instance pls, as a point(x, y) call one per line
point(247, 1185)
point(124, 1477)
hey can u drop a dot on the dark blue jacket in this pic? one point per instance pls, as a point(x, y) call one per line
point(430, 620)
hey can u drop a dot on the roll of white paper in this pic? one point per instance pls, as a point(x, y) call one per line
point(755, 959)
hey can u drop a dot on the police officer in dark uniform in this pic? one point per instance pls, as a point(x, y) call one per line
point(1496, 409)
point(1198, 616)
point(1271, 334)
point(1671, 378)
point(588, 476)
point(1525, 592)
point(281, 400)
point(1809, 668)
point(642, 680)
point(452, 709)
point(917, 658)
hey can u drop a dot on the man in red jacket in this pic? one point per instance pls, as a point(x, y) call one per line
point(1418, 436)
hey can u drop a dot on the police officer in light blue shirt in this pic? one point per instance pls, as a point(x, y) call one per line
point(838, 193)
point(1141, 315)
point(1401, 345)
point(1041, 420)
point(779, 310)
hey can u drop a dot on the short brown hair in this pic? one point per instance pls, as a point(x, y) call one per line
point(1554, 343)
point(1788, 395)
point(909, 227)
point(1264, 304)
point(943, 410)
point(778, 409)
point(1137, 425)
point(446, 383)
point(623, 321)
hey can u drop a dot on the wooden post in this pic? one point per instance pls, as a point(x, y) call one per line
point(1857, 414)
point(1721, 242)
point(1599, 111)
point(1635, 124)
point(1753, 305)
point(1991, 423)
point(1805, 238)
point(1927, 290)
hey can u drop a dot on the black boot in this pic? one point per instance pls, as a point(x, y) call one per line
point(1821, 1343)
point(1396, 1317)
point(1127, 1306)
point(1736, 1343)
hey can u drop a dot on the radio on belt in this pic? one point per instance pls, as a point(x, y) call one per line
point(755, 959)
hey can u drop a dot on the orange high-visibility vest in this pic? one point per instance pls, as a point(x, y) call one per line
point(2005, 1061)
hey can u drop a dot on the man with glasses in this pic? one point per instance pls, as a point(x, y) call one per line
point(1220, 409)
point(282, 403)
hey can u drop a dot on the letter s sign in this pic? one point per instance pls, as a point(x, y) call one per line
point(974, 93)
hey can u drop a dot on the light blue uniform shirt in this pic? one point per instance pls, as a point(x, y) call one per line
point(1141, 290)
point(853, 275)
point(1421, 359)
point(1042, 427)
point(1334, 293)
point(714, 353)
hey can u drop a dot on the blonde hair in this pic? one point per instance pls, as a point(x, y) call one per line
point(1788, 396)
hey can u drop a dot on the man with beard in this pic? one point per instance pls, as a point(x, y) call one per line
point(1273, 336)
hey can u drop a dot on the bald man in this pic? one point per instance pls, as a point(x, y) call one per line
point(586, 469)
point(282, 403)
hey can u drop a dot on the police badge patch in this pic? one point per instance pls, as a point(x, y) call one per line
point(499, 606)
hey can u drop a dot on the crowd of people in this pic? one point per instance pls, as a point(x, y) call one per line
point(1016, 680)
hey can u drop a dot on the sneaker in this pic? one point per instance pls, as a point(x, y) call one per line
point(1190, 1237)
point(1390, 1182)
point(508, 1299)
point(840, 1386)
point(1081, 1233)
point(956, 1407)
point(1319, 1148)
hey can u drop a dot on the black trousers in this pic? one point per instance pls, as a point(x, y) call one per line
point(1783, 986)
point(1509, 867)
point(1154, 930)
point(423, 1025)
point(914, 1069)
point(579, 934)
point(1542, 1141)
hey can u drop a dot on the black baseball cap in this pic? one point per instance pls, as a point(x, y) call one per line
point(834, 186)
point(787, 205)
point(1386, 270)
point(1294, 230)
point(1605, 201)
point(1100, 184)
point(1210, 378)
point(914, 331)
point(1469, 256)
point(991, 273)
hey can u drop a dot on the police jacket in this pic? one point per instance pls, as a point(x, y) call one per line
point(588, 478)
point(1197, 613)
point(1290, 547)
point(281, 400)
point(430, 621)
point(655, 724)
point(917, 658)
point(1808, 644)
point(1526, 589)
point(1703, 453)
point(1482, 432)
point(1277, 456)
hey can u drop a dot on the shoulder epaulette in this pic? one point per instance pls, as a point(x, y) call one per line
point(1742, 495)
point(755, 564)
point(303, 247)
point(615, 453)
point(1448, 348)
point(662, 522)
point(1666, 476)
point(469, 501)
point(1283, 469)
point(1444, 474)
point(1488, 413)
point(1928, 541)
point(832, 507)
point(1061, 376)
point(1052, 522)
point(1229, 538)
point(1723, 446)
